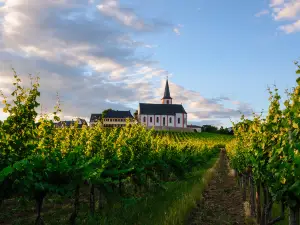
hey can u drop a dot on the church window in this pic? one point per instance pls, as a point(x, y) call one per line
point(157, 120)
point(170, 120)
point(150, 119)
point(178, 120)
point(144, 119)
point(167, 101)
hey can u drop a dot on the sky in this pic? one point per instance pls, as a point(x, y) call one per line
point(220, 56)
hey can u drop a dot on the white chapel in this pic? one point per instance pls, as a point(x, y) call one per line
point(162, 115)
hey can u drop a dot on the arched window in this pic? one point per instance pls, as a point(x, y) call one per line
point(170, 120)
point(151, 119)
point(157, 120)
point(167, 101)
point(178, 120)
point(144, 119)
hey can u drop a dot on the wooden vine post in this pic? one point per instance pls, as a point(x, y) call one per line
point(76, 206)
point(294, 215)
point(244, 186)
point(258, 203)
point(39, 198)
point(252, 194)
point(92, 199)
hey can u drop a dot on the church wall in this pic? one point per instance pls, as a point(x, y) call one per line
point(180, 116)
point(142, 119)
point(157, 124)
point(150, 120)
point(171, 124)
point(174, 120)
point(163, 117)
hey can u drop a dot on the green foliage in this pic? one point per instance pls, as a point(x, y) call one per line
point(38, 159)
point(104, 112)
point(270, 147)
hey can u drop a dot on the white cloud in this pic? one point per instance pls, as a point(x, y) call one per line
point(290, 28)
point(289, 10)
point(91, 61)
point(276, 2)
point(261, 13)
point(201, 108)
point(127, 16)
point(176, 31)
point(112, 9)
point(286, 10)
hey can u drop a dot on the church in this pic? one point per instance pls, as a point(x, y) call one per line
point(164, 115)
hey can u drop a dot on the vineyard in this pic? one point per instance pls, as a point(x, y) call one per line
point(266, 157)
point(72, 175)
point(131, 175)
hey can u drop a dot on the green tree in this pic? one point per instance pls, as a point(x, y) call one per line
point(136, 115)
point(104, 113)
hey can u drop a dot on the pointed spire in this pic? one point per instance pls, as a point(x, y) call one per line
point(167, 91)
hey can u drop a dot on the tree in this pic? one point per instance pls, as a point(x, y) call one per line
point(104, 113)
point(210, 129)
point(136, 115)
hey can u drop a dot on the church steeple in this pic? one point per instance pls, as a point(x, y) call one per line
point(167, 97)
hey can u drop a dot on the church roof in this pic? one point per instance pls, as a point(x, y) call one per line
point(167, 91)
point(161, 109)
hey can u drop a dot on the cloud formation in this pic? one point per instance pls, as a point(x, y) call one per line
point(176, 29)
point(88, 52)
point(287, 11)
point(262, 13)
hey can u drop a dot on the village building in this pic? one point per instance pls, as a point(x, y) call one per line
point(113, 118)
point(164, 115)
point(195, 127)
point(69, 123)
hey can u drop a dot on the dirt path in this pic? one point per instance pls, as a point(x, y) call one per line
point(222, 201)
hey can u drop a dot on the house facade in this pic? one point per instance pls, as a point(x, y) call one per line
point(195, 127)
point(113, 118)
point(66, 123)
point(166, 114)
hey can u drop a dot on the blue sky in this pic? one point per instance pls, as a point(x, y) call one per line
point(220, 56)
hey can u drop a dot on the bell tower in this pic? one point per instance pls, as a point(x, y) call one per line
point(167, 98)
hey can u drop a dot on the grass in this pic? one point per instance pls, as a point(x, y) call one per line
point(165, 207)
point(160, 208)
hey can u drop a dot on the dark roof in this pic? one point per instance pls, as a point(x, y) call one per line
point(167, 91)
point(112, 114)
point(95, 117)
point(118, 114)
point(161, 109)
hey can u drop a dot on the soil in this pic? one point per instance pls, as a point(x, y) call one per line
point(222, 202)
